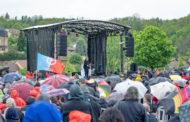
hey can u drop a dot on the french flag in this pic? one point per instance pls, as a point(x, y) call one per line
point(49, 64)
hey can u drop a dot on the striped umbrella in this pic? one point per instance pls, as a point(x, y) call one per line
point(56, 80)
point(56, 92)
point(103, 85)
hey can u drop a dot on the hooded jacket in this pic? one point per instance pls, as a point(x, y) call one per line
point(132, 111)
point(75, 103)
point(42, 111)
point(19, 101)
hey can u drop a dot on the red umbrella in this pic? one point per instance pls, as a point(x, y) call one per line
point(23, 90)
point(56, 80)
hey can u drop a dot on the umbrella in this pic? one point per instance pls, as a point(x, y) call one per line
point(142, 67)
point(115, 96)
point(182, 97)
point(123, 87)
point(184, 113)
point(10, 77)
point(56, 80)
point(174, 77)
point(157, 80)
point(168, 103)
point(113, 80)
point(44, 88)
point(159, 90)
point(183, 67)
point(181, 82)
point(66, 85)
point(23, 89)
point(25, 80)
point(56, 92)
point(105, 87)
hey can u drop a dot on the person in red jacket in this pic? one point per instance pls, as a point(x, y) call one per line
point(35, 92)
point(19, 101)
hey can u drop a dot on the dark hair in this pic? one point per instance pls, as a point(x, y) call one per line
point(132, 93)
point(112, 115)
point(148, 97)
point(37, 84)
point(54, 99)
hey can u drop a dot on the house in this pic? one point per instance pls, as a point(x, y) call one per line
point(14, 32)
point(3, 40)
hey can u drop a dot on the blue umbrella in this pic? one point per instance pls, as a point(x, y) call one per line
point(10, 77)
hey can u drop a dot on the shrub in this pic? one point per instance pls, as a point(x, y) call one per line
point(69, 68)
point(77, 68)
point(75, 59)
point(23, 71)
point(12, 55)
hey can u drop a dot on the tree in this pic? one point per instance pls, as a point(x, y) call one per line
point(113, 53)
point(81, 48)
point(12, 41)
point(21, 43)
point(75, 59)
point(7, 16)
point(152, 48)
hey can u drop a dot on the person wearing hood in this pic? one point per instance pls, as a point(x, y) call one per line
point(75, 103)
point(19, 101)
point(131, 109)
point(29, 101)
point(42, 111)
point(10, 103)
point(35, 92)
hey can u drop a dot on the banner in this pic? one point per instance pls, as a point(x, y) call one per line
point(49, 64)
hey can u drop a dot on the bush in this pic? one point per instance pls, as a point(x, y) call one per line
point(12, 55)
point(23, 71)
point(77, 68)
point(75, 59)
point(69, 68)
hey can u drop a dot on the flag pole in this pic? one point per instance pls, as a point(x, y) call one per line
point(36, 75)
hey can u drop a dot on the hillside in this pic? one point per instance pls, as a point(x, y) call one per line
point(177, 30)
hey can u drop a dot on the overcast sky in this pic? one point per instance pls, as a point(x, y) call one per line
point(97, 9)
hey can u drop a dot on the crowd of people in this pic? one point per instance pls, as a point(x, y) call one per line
point(84, 103)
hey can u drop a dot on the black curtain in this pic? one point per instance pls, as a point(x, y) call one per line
point(41, 40)
point(97, 52)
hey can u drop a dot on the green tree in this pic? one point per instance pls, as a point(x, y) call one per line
point(152, 48)
point(113, 53)
point(81, 48)
point(7, 16)
point(75, 59)
point(12, 41)
point(21, 43)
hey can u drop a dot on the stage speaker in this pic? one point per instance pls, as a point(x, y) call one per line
point(129, 45)
point(61, 44)
point(134, 67)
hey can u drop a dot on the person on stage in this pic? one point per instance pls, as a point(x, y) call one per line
point(86, 67)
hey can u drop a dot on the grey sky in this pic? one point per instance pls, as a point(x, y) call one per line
point(97, 9)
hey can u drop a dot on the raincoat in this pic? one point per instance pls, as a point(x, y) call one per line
point(19, 101)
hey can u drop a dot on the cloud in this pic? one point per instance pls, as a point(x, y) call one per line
point(97, 9)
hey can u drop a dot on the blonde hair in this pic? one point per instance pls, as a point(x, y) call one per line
point(10, 102)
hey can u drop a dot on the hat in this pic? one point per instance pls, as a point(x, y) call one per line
point(12, 115)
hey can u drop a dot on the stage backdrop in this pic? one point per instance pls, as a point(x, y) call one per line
point(97, 52)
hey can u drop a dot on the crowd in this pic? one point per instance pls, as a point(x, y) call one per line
point(86, 103)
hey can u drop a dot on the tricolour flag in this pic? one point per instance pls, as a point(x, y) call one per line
point(49, 64)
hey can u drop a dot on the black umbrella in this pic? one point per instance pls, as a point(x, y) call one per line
point(156, 80)
point(184, 113)
point(168, 103)
point(142, 67)
point(113, 80)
